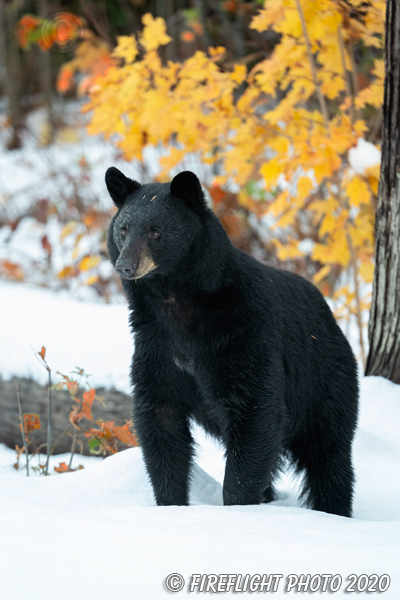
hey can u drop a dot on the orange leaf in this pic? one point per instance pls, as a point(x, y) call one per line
point(71, 385)
point(187, 36)
point(11, 269)
point(31, 422)
point(125, 435)
point(42, 353)
point(89, 396)
point(65, 79)
point(86, 411)
point(62, 468)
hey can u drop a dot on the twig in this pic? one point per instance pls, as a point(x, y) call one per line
point(354, 77)
point(353, 261)
point(91, 16)
point(23, 431)
point(346, 81)
point(72, 450)
point(48, 423)
point(43, 362)
point(320, 95)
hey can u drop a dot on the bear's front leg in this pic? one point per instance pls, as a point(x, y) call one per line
point(162, 398)
point(252, 455)
point(167, 447)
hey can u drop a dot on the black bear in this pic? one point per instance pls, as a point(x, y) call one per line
point(251, 353)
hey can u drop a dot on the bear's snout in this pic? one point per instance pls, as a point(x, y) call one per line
point(126, 268)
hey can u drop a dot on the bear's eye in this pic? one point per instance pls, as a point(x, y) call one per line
point(154, 233)
point(123, 231)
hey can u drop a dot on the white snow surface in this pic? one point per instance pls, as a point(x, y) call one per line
point(364, 156)
point(98, 532)
point(88, 335)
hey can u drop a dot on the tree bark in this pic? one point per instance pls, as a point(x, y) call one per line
point(12, 69)
point(45, 60)
point(384, 323)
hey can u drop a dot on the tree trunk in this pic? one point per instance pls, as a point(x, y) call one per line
point(10, 55)
point(384, 323)
point(45, 63)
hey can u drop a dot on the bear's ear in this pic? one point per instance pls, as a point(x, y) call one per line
point(187, 187)
point(119, 186)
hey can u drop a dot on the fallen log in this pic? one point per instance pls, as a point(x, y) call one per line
point(34, 398)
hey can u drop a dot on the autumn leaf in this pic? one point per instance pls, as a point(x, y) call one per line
point(91, 280)
point(187, 36)
point(68, 229)
point(26, 26)
point(31, 422)
point(88, 399)
point(126, 48)
point(358, 192)
point(270, 171)
point(124, 435)
point(322, 273)
point(89, 262)
point(67, 271)
point(154, 33)
point(11, 269)
point(89, 396)
point(62, 468)
point(71, 385)
point(366, 270)
point(65, 78)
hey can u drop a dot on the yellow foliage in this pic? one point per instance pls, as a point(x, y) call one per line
point(197, 106)
point(68, 229)
point(126, 48)
point(154, 33)
point(65, 272)
point(366, 270)
point(271, 171)
point(88, 262)
point(358, 192)
point(322, 273)
point(288, 250)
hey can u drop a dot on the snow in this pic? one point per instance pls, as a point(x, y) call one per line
point(89, 335)
point(97, 531)
point(364, 156)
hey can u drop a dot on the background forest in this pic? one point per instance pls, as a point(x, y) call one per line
point(277, 108)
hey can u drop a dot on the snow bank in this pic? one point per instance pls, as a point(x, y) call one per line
point(92, 336)
point(98, 532)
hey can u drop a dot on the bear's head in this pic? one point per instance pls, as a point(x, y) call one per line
point(155, 225)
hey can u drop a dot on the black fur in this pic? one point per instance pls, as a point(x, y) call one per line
point(252, 353)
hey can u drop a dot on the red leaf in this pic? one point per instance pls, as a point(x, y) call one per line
point(46, 244)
